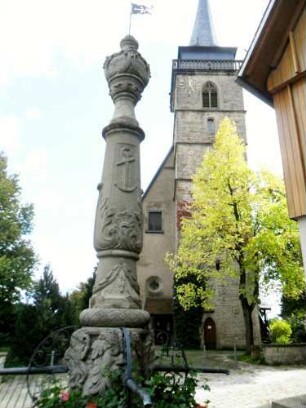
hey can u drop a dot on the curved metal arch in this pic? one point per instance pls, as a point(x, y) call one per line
point(49, 354)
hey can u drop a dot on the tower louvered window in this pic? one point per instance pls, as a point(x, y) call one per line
point(211, 126)
point(210, 95)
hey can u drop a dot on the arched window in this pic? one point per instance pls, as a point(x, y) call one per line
point(210, 95)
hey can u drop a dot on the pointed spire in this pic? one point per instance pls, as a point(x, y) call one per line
point(203, 30)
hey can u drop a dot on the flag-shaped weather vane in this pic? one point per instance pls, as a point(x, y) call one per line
point(139, 9)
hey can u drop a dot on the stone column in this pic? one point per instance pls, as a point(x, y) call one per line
point(98, 347)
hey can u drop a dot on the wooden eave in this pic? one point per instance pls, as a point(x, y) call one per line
point(268, 46)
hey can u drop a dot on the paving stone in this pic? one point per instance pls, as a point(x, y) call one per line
point(252, 386)
point(247, 386)
point(294, 402)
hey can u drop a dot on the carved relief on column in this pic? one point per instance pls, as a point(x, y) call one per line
point(102, 348)
point(118, 229)
point(117, 288)
point(126, 168)
point(95, 352)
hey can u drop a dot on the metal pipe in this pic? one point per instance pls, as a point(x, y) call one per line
point(56, 369)
point(136, 388)
point(128, 380)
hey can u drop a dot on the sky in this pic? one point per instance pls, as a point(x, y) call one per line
point(54, 103)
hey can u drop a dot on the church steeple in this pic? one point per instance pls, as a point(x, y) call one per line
point(203, 30)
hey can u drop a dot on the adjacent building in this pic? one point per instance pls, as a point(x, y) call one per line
point(275, 71)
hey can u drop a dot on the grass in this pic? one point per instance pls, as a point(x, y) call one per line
point(246, 358)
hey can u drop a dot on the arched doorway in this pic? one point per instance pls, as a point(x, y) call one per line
point(210, 335)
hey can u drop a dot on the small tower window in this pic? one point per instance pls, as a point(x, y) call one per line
point(210, 95)
point(211, 126)
point(155, 221)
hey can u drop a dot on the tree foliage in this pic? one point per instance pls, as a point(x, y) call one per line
point(17, 257)
point(239, 228)
point(48, 308)
point(294, 310)
point(80, 297)
point(280, 331)
point(293, 305)
point(51, 306)
point(187, 322)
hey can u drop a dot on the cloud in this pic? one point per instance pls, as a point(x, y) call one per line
point(35, 165)
point(262, 136)
point(10, 134)
point(32, 113)
point(42, 31)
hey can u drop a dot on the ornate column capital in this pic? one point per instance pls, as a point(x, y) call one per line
point(127, 74)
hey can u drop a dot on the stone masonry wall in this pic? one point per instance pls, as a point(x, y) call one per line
point(155, 245)
point(228, 316)
point(192, 137)
point(189, 89)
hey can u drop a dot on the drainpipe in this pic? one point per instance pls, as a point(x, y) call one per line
point(128, 379)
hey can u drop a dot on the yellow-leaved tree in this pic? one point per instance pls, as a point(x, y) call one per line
point(238, 227)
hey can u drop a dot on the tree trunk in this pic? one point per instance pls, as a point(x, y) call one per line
point(248, 323)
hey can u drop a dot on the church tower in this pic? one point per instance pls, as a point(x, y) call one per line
point(203, 92)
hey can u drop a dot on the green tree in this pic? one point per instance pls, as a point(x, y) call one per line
point(280, 331)
point(294, 310)
point(53, 309)
point(293, 305)
point(26, 335)
point(186, 325)
point(238, 228)
point(48, 308)
point(17, 257)
point(80, 297)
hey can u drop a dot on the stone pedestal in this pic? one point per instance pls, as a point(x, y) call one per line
point(97, 347)
point(95, 352)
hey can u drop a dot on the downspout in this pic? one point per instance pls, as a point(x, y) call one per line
point(128, 379)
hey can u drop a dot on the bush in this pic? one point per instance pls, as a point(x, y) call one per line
point(280, 331)
point(296, 321)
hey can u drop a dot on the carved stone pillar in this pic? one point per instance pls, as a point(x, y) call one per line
point(115, 302)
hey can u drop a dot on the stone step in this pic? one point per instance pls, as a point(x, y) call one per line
point(294, 402)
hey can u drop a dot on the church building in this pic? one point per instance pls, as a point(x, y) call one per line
point(203, 92)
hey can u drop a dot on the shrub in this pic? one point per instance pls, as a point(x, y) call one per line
point(296, 321)
point(280, 331)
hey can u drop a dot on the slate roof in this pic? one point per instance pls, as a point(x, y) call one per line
point(203, 30)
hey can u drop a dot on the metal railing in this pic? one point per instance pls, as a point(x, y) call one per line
point(212, 65)
point(48, 361)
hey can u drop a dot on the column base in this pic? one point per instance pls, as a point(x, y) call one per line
point(98, 317)
point(94, 352)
